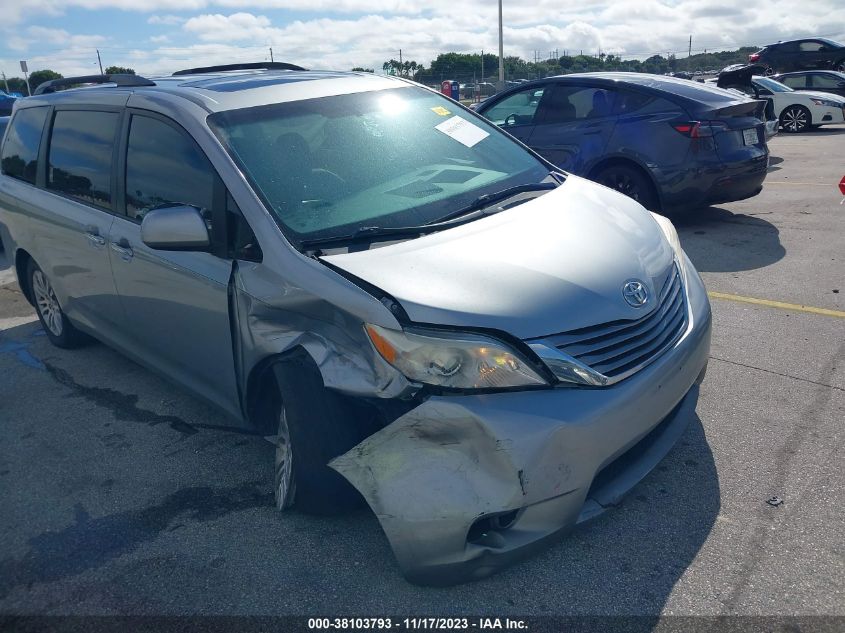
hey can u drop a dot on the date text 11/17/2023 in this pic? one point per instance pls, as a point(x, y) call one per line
point(414, 624)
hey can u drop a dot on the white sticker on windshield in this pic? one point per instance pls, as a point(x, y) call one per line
point(462, 131)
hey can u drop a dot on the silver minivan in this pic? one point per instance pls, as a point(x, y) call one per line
point(417, 310)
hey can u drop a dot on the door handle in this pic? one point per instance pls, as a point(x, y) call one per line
point(93, 235)
point(122, 248)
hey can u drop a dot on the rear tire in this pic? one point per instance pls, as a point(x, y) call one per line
point(315, 425)
point(795, 119)
point(59, 330)
point(631, 182)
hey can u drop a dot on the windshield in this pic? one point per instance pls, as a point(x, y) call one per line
point(328, 166)
point(771, 84)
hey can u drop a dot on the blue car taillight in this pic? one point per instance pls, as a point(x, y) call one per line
point(700, 129)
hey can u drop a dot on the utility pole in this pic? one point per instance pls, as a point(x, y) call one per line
point(6, 83)
point(100, 62)
point(271, 55)
point(689, 53)
point(501, 51)
point(400, 56)
point(482, 66)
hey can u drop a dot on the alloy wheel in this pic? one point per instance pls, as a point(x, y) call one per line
point(284, 485)
point(795, 119)
point(48, 305)
point(622, 183)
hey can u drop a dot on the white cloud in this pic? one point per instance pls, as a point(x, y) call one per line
point(167, 20)
point(233, 28)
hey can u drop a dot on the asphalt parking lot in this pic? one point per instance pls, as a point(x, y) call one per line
point(120, 494)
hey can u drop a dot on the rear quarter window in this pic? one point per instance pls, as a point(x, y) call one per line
point(630, 102)
point(20, 151)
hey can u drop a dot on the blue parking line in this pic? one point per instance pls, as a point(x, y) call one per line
point(20, 349)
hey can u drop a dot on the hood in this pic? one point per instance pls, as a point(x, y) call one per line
point(828, 96)
point(553, 264)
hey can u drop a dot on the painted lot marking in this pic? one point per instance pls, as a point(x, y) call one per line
point(777, 304)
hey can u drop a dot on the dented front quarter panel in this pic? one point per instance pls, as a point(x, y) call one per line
point(273, 316)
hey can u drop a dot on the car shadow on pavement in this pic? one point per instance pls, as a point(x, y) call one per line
point(717, 240)
point(824, 131)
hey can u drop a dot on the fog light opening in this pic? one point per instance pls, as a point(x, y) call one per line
point(488, 530)
point(504, 521)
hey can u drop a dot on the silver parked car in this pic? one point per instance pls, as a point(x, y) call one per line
point(413, 306)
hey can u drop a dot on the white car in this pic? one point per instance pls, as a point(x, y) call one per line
point(798, 111)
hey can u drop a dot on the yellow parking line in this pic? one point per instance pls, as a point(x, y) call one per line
point(777, 304)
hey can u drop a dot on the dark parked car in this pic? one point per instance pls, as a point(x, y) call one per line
point(6, 103)
point(801, 55)
point(818, 80)
point(668, 143)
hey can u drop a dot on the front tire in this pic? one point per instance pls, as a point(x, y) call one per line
point(59, 330)
point(314, 425)
point(795, 119)
point(631, 182)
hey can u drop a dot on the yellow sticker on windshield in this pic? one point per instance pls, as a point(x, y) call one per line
point(441, 111)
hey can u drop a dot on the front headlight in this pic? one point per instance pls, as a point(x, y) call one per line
point(458, 361)
point(825, 102)
point(671, 235)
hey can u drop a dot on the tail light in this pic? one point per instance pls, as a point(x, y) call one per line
point(754, 57)
point(842, 185)
point(700, 129)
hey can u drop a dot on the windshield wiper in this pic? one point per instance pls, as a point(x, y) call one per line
point(370, 234)
point(460, 216)
point(487, 199)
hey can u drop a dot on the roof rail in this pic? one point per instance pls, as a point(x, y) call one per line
point(120, 80)
point(247, 66)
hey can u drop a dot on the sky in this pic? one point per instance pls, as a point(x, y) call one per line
point(161, 36)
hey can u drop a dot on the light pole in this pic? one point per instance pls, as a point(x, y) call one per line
point(501, 51)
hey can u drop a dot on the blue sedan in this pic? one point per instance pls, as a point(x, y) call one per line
point(6, 103)
point(669, 143)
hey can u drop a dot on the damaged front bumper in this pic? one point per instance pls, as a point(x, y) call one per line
point(464, 485)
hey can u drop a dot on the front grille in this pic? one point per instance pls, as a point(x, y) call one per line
point(620, 348)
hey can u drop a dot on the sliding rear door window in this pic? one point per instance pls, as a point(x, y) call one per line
point(80, 156)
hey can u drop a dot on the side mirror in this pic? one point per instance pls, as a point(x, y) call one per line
point(840, 84)
point(178, 228)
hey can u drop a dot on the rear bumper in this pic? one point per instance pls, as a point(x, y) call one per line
point(465, 485)
point(713, 181)
point(737, 183)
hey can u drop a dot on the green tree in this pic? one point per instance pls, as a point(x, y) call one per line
point(401, 69)
point(359, 69)
point(673, 62)
point(16, 84)
point(119, 70)
point(656, 64)
point(38, 77)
